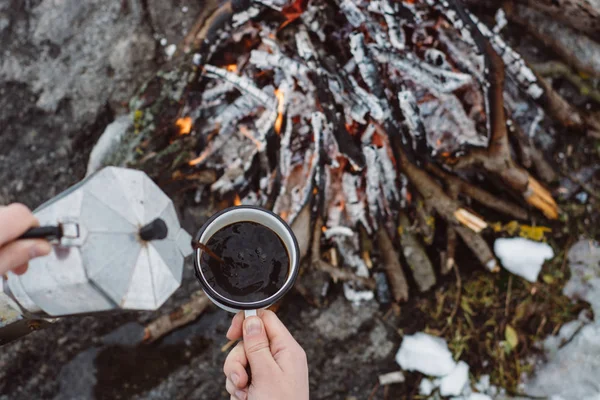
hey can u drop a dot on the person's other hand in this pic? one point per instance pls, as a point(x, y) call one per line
point(277, 362)
point(15, 220)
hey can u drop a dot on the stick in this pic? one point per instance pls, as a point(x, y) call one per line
point(337, 274)
point(393, 268)
point(478, 194)
point(181, 316)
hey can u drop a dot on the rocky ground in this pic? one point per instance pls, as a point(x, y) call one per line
point(67, 69)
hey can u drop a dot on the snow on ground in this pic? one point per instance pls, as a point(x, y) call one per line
point(425, 353)
point(523, 257)
point(573, 356)
point(584, 262)
point(454, 383)
point(430, 355)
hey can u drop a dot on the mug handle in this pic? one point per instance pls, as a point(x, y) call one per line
point(249, 313)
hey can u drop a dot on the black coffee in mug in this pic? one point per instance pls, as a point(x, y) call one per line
point(249, 262)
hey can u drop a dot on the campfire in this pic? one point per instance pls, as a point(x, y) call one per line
point(371, 127)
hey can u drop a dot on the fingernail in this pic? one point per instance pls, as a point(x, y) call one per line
point(235, 378)
point(252, 326)
point(240, 395)
point(39, 250)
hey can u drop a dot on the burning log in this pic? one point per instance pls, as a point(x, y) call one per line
point(350, 120)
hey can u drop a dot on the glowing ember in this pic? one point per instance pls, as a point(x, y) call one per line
point(237, 201)
point(231, 68)
point(280, 110)
point(200, 158)
point(324, 228)
point(185, 125)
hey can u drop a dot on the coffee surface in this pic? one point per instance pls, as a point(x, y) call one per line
point(255, 262)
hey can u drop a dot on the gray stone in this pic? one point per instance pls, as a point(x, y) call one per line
point(342, 319)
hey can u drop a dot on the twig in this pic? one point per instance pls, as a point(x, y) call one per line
point(337, 274)
point(531, 155)
point(448, 261)
point(415, 255)
point(507, 303)
point(478, 194)
point(228, 345)
point(392, 265)
point(183, 315)
point(374, 391)
point(554, 69)
point(590, 190)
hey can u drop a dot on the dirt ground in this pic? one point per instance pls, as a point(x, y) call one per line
point(51, 114)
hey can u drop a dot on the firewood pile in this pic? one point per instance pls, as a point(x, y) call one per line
point(382, 131)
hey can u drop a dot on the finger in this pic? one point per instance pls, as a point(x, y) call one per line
point(15, 220)
point(238, 394)
point(235, 366)
point(20, 252)
point(20, 270)
point(258, 350)
point(242, 396)
point(284, 347)
point(235, 330)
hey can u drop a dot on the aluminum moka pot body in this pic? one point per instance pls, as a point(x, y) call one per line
point(106, 265)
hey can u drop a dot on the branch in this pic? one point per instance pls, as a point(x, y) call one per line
point(478, 194)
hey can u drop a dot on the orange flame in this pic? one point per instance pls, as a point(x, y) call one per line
point(237, 201)
point(184, 125)
point(284, 215)
point(231, 67)
point(280, 110)
point(324, 228)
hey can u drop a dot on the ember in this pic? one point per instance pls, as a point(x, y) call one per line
point(184, 125)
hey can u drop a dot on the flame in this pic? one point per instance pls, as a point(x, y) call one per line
point(185, 125)
point(284, 215)
point(237, 201)
point(324, 229)
point(280, 110)
point(231, 67)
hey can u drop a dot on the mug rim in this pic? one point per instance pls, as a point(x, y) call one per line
point(232, 304)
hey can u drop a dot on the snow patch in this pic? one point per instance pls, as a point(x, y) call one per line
point(425, 353)
point(454, 383)
point(523, 257)
point(426, 387)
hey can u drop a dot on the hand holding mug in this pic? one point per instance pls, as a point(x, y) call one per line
point(278, 363)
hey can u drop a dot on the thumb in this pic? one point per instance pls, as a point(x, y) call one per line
point(257, 347)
